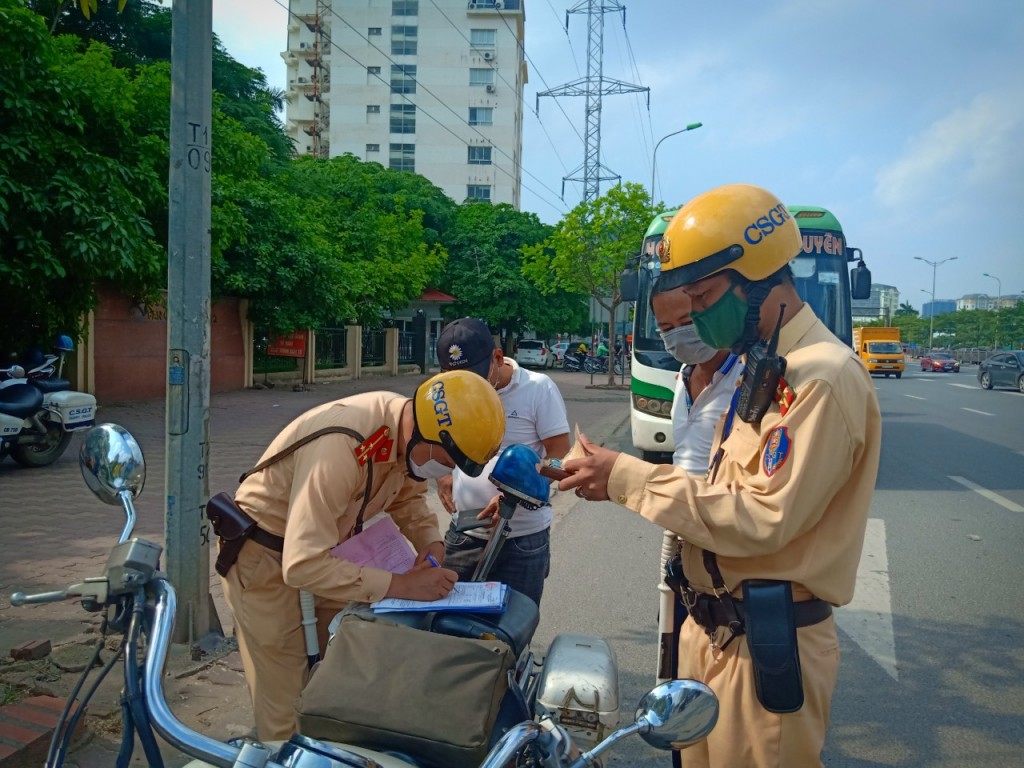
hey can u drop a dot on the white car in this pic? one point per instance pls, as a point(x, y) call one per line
point(558, 353)
point(533, 353)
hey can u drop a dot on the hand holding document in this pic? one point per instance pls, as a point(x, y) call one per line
point(380, 545)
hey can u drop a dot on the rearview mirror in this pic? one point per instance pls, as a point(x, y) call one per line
point(112, 463)
point(629, 285)
point(677, 714)
point(860, 281)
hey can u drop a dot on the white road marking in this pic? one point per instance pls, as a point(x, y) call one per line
point(963, 386)
point(1002, 501)
point(867, 619)
point(914, 396)
point(973, 410)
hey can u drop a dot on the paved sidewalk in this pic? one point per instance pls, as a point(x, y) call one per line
point(56, 533)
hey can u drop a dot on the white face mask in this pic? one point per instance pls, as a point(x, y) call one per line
point(685, 345)
point(432, 469)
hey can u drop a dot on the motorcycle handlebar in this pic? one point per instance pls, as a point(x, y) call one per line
point(167, 725)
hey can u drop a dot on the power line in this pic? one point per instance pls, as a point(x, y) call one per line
point(436, 98)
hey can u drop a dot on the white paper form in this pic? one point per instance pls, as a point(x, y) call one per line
point(482, 596)
point(380, 545)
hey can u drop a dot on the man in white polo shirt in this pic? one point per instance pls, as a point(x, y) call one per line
point(534, 416)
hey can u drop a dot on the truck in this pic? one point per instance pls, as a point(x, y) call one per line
point(880, 350)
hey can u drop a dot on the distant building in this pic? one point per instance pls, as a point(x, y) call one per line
point(881, 305)
point(432, 87)
point(972, 301)
point(939, 307)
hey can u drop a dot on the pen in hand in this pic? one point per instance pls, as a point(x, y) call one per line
point(433, 561)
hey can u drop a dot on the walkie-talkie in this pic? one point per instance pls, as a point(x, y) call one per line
point(761, 377)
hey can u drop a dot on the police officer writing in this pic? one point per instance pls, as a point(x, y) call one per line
point(326, 472)
point(773, 532)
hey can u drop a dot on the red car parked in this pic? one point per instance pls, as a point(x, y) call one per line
point(940, 362)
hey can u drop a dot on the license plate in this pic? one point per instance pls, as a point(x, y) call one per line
point(887, 366)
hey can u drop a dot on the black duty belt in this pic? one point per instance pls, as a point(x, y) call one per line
point(267, 539)
point(711, 612)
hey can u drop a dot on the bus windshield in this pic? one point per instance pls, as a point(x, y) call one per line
point(647, 345)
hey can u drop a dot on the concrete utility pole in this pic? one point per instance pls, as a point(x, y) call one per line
point(188, 319)
point(593, 86)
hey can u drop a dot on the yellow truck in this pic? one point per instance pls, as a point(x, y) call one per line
point(880, 350)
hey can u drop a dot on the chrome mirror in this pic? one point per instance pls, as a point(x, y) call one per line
point(114, 468)
point(677, 714)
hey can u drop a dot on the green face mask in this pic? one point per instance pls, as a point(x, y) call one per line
point(721, 325)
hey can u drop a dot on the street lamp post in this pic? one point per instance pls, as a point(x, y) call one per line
point(654, 159)
point(999, 296)
point(931, 324)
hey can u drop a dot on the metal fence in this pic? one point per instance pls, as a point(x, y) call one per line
point(373, 346)
point(332, 348)
point(405, 341)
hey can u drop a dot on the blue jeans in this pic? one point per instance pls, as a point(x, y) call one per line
point(523, 563)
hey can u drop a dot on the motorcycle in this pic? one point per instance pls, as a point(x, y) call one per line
point(139, 604)
point(38, 416)
point(49, 366)
point(573, 361)
point(599, 364)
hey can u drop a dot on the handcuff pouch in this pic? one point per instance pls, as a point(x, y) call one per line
point(771, 638)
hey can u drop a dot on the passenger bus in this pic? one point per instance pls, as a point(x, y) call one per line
point(822, 280)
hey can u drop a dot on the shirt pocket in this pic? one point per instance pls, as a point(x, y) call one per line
point(743, 451)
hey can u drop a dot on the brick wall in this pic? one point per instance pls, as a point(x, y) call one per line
point(129, 343)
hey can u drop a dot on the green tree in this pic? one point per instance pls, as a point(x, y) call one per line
point(906, 308)
point(589, 248)
point(72, 199)
point(485, 273)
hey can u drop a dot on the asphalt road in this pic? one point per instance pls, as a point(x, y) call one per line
point(933, 646)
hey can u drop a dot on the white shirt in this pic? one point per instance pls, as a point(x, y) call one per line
point(693, 425)
point(534, 411)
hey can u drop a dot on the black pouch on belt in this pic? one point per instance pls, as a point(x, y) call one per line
point(771, 637)
point(232, 526)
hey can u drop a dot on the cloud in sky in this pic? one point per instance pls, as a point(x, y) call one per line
point(904, 118)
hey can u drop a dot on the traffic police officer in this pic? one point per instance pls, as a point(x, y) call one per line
point(773, 532)
point(368, 453)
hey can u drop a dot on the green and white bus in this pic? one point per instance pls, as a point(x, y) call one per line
point(822, 280)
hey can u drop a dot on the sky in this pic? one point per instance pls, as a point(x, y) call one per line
point(905, 119)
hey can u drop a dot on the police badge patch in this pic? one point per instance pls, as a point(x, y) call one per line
point(776, 451)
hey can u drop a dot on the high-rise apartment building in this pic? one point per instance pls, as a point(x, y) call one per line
point(430, 86)
point(882, 305)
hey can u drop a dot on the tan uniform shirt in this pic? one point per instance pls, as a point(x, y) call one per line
point(313, 497)
point(791, 495)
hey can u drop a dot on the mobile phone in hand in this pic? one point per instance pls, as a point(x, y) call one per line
point(553, 470)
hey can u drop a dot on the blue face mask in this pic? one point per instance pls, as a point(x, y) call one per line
point(685, 345)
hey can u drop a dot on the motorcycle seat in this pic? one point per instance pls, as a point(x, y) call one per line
point(47, 386)
point(515, 626)
point(20, 400)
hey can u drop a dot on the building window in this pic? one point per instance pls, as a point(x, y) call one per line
point(373, 147)
point(403, 118)
point(373, 32)
point(405, 7)
point(403, 78)
point(479, 192)
point(403, 41)
point(373, 109)
point(481, 76)
point(402, 157)
point(479, 156)
point(481, 116)
point(483, 38)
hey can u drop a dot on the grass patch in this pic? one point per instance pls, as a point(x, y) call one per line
point(10, 694)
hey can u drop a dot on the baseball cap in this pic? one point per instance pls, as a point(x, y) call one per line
point(465, 344)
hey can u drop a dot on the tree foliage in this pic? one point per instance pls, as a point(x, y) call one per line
point(485, 273)
point(965, 329)
point(589, 248)
point(58, 236)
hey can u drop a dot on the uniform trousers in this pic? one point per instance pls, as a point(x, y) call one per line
point(747, 734)
point(270, 637)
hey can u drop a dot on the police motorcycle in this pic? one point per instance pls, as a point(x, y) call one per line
point(42, 366)
point(37, 416)
point(139, 604)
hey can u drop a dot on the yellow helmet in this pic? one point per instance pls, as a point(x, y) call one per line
point(736, 226)
point(461, 412)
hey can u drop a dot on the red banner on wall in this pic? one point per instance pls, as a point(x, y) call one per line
point(292, 345)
